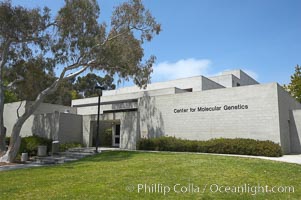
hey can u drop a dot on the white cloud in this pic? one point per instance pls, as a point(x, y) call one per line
point(180, 69)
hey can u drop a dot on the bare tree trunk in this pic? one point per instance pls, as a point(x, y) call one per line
point(2, 128)
point(15, 139)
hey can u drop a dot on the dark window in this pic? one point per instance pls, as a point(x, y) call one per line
point(117, 140)
point(188, 89)
point(237, 84)
point(117, 129)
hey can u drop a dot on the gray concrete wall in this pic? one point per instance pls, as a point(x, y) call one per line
point(92, 110)
point(46, 125)
point(50, 108)
point(295, 131)
point(194, 83)
point(70, 128)
point(226, 80)
point(128, 130)
point(208, 84)
point(259, 121)
point(119, 98)
point(10, 115)
point(64, 127)
point(48, 121)
point(286, 105)
point(244, 79)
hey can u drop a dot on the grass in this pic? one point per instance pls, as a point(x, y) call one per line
point(113, 175)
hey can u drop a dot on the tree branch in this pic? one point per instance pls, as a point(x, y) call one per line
point(11, 84)
point(18, 115)
point(103, 43)
point(76, 73)
point(116, 36)
point(4, 55)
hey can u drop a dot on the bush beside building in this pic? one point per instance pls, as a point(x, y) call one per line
point(222, 146)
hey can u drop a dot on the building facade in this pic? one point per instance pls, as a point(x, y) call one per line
point(231, 105)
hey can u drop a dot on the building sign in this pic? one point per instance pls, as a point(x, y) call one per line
point(211, 108)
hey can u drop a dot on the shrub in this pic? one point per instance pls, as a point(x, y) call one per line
point(66, 146)
point(222, 146)
point(30, 144)
point(106, 138)
point(7, 140)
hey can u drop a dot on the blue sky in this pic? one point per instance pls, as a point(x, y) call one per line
point(205, 37)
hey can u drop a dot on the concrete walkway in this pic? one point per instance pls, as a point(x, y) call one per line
point(63, 157)
point(295, 159)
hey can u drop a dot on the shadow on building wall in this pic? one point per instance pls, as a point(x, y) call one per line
point(46, 125)
point(129, 127)
point(294, 135)
point(151, 120)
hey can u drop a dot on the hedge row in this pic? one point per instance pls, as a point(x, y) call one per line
point(222, 146)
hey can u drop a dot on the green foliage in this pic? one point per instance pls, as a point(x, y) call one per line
point(222, 146)
point(30, 144)
point(63, 95)
point(66, 146)
point(10, 97)
point(35, 79)
point(86, 84)
point(106, 138)
point(294, 87)
point(7, 140)
point(33, 44)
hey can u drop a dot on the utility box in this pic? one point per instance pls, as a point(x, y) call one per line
point(55, 147)
point(42, 150)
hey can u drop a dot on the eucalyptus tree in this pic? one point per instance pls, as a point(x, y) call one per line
point(74, 41)
point(294, 87)
point(85, 85)
point(21, 30)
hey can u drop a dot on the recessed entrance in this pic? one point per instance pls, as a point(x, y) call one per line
point(109, 133)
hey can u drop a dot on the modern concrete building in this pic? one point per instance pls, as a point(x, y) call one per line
point(231, 105)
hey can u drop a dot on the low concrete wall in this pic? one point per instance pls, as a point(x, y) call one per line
point(30, 126)
point(70, 128)
point(46, 125)
point(64, 127)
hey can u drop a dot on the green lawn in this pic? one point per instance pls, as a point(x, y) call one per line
point(117, 175)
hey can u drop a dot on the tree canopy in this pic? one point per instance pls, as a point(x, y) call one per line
point(33, 44)
point(85, 85)
point(294, 87)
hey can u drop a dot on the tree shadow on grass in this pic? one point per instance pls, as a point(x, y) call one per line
point(111, 156)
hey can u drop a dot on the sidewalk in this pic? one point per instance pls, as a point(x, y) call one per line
point(296, 159)
point(63, 157)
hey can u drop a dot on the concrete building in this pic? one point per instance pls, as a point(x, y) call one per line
point(231, 105)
